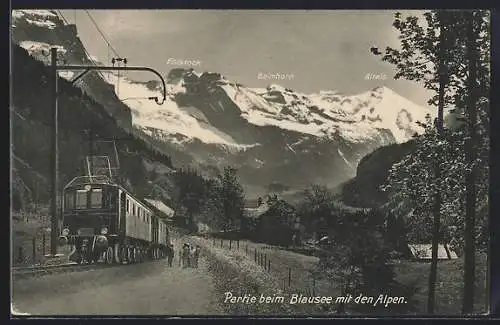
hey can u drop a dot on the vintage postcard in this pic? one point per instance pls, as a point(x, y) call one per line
point(249, 162)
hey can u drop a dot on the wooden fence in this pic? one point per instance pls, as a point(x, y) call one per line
point(30, 239)
point(293, 271)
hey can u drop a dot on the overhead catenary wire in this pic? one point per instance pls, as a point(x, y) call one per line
point(102, 33)
point(108, 60)
point(110, 47)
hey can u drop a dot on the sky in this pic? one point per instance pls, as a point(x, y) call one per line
point(315, 50)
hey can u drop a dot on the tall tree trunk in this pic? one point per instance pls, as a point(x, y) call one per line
point(470, 152)
point(437, 172)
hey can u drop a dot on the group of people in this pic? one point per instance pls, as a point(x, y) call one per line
point(190, 255)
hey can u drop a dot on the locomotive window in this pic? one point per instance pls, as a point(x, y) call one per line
point(96, 198)
point(81, 199)
point(133, 209)
point(128, 205)
point(69, 202)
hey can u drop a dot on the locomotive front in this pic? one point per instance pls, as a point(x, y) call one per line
point(90, 217)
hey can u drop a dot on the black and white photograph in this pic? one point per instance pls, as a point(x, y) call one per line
point(289, 163)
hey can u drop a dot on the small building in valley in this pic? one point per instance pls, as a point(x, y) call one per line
point(423, 252)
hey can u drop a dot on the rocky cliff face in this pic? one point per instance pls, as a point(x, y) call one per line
point(38, 30)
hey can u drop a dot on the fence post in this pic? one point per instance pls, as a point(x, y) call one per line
point(265, 260)
point(230, 241)
point(20, 256)
point(246, 249)
point(221, 243)
point(43, 243)
point(269, 265)
point(314, 287)
point(289, 276)
point(255, 255)
point(34, 250)
point(214, 242)
point(238, 245)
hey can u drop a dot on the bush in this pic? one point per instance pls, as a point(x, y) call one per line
point(358, 257)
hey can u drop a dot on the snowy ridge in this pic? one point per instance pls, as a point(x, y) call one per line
point(357, 118)
point(40, 51)
point(387, 110)
point(37, 13)
point(40, 18)
point(169, 117)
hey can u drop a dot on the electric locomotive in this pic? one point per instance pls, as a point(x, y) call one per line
point(103, 221)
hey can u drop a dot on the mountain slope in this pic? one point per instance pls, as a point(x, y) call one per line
point(31, 134)
point(363, 190)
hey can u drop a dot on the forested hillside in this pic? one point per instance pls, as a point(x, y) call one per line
point(364, 190)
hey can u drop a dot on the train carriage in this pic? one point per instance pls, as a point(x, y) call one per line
point(102, 219)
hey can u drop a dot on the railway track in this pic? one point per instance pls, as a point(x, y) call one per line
point(35, 271)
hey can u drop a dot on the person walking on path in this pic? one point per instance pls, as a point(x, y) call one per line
point(186, 250)
point(170, 254)
point(196, 256)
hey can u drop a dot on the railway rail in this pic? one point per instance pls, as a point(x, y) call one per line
point(34, 271)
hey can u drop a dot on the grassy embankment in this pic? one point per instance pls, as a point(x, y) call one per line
point(235, 272)
point(240, 273)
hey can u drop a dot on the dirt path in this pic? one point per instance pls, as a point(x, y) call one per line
point(150, 288)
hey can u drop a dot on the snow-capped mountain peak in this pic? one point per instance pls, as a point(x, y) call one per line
point(358, 118)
